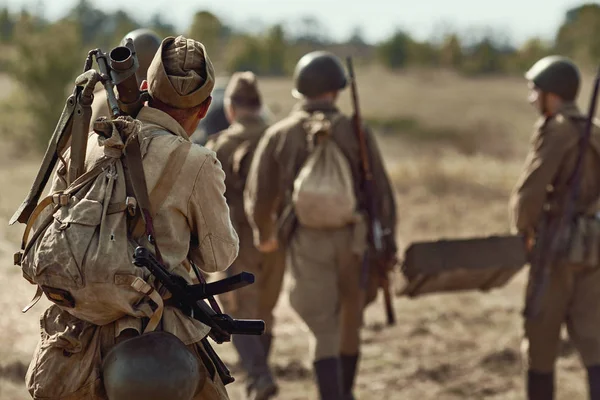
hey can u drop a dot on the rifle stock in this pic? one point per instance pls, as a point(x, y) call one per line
point(375, 227)
point(553, 230)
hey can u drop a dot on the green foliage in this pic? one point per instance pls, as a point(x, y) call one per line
point(208, 29)
point(578, 36)
point(484, 58)
point(244, 54)
point(395, 52)
point(46, 62)
point(451, 52)
point(7, 26)
point(274, 52)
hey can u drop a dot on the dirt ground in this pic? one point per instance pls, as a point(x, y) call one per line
point(454, 148)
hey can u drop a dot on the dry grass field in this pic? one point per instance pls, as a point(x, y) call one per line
point(454, 148)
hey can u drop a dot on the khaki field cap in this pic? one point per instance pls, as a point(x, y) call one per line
point(243, 90)
point(181, 74)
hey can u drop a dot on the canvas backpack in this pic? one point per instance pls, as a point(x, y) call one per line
point(323, 193)
point(80, 254)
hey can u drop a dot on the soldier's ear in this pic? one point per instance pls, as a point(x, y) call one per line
point(144, 85)
point(204, 107)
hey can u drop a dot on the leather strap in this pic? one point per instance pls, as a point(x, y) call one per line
point(141, 286)
point(165, 183)
point(135, 167)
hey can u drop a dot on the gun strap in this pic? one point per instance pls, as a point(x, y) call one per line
point(60, 137)
point(135, 168)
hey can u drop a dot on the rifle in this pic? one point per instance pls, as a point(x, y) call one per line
point(375, 229)
point(554, 230)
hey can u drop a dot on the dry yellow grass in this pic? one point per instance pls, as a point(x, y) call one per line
point(462, 346)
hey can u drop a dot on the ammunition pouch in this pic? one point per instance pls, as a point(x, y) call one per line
point(583, 243)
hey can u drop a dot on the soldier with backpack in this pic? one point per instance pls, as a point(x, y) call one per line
point(113, 332)
point(311, 161)
point(235, 147)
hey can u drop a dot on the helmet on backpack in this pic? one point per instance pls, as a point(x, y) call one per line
point(153, 366)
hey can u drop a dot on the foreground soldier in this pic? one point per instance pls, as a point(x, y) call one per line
point(146, 42)
point(235, 148)
point(74, 359)
point(325, 263)
point(573, 292)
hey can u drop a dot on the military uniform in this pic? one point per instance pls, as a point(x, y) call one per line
point(572, 296)
point(192, 222)
point(235, 148)
point(325, 264)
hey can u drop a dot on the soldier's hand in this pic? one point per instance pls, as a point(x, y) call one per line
point(269, 245)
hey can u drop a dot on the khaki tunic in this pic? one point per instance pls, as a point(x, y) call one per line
point(325, 264)
point(235, 148)
point(573, 294)
point(193, 221)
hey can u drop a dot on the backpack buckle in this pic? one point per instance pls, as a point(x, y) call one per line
point(18, 258)
point(131, 204)
point(60, 199)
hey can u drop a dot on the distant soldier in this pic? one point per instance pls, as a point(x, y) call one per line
point(311, 160)
point(573, 291)
point(146, 43)
point(235, 148)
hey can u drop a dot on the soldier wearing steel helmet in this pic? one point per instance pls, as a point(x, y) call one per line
point(325, 264)
point(573, 294)
point(146, 42)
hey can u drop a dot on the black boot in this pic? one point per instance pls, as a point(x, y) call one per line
point(540, 385)
point(348, 373)
point(594, 382)
point(327, 372)
point(260, 383)
point(267, 340)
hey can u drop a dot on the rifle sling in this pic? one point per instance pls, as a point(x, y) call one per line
point(59, 139)
point(135, 168)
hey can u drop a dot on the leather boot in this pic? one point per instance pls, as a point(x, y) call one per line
point(594, 382)
point(349, 364)
point(260, 383)
point(267, 341)
point(327, 372)
point(540, 385)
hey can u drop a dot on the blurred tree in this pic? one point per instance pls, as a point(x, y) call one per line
point(274, 51)
point(484, 58)
point(310, 31)
point(451, 53)
point(123, 24)
point(423, 54)
point(45, 63)
point(577, 36)
point(162, 28)
point(208, 29)
point(244, 53)
point(92, 22)
point(394, 52)
point(531, 51)
point(7, 25)
point(357, 37)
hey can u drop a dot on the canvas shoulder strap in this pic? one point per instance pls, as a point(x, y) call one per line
point(149, 204)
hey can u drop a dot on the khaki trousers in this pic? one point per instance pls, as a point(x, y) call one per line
point(572, 297)
point(326, 266)
point(259, 299)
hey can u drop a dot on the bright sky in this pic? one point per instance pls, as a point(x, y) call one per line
point(521, 19)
